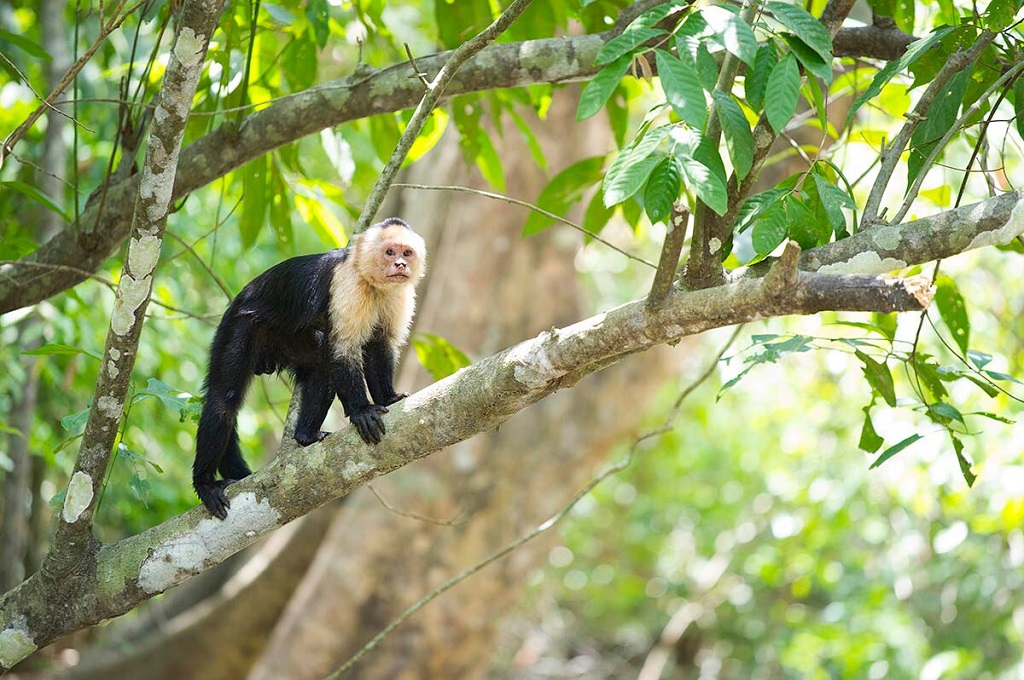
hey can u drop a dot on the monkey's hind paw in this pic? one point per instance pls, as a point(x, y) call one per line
point(305, 438)
point(214, 499)
point(399, 396)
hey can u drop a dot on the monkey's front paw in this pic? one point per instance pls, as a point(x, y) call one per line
point(213, 498)
point(307, 438)
point(369, 423)
point(397, 397)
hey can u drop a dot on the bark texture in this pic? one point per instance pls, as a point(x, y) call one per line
point(489, 289)
point(74, 254)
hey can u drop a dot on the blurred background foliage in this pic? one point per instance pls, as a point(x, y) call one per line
point(755, 525)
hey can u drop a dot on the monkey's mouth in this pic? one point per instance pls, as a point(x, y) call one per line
point(400, 276)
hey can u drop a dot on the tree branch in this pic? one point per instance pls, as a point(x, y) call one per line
point(85, 245)
point(476, 399)
point(68, 570)
point(956, 63)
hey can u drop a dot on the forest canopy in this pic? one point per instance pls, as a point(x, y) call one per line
point(715, 371)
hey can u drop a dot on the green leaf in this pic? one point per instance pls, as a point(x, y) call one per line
point(953, 311)
point(27, 46)
point(630, 169)
point(280, 211)
point(656, 14)
point(783, 93)
point(879, 377)
point(865, 326)
point(319, 18)
point(598, 90)
point(75, 423)
point(624, 43)
point(965, 465)
point(869, 439)
point(805, 26)
point(770, 229)
point(803, 223)
point(731, 32)
point(893, 450)
point(756, 205)
point(172, 397)
point(1018, 105)
point(682, 89)
point(662, 189)
point(756, 82)
point(255, 176)
point(834, 200)
point(914, 51)
point(928, 373)
point(278, 13)
point(939, 118)
point(563, 191)
point(622, 185)
point(887, 322)
point(597, 214)
point(811, 60)
point(707, 67)
point(532, 143)
point(33, 194)
point(739, 139)
point(996, 375)
point(946, 412)
point(699, 175)
point(62, 350)
point(438, 356)
point(489, 162)
point(979, 359)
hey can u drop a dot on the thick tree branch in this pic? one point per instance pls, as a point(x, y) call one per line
point(476, 399)
point(69, 567)
point(887, 248)
point(63, 261)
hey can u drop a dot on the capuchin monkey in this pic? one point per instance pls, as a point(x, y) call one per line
point(336, 321)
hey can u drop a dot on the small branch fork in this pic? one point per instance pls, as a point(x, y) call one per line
point(669, 261)
point(711, 230)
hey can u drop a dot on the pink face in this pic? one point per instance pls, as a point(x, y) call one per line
point(399, 258)
point(395, 254)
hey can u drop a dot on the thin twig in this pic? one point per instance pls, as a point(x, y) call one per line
point(609, 471)
point(458, 520)
point(430, 98)
point(525, 204)
point(940, 146)
point(69, 77)
point(202, 263)
point(957, 62)
point(415, 67)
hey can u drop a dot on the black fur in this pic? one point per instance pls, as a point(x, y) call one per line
point(280, 322)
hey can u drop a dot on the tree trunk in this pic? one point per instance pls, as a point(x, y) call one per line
point(489, 289)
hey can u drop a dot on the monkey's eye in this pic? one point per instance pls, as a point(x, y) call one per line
point(407, 253)
point(391, 252)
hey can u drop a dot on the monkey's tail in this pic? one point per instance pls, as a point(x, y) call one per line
point(231, 366)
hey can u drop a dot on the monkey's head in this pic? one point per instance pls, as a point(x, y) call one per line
point(390, 253)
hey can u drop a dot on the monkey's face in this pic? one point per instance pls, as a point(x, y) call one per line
point(393, 255)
